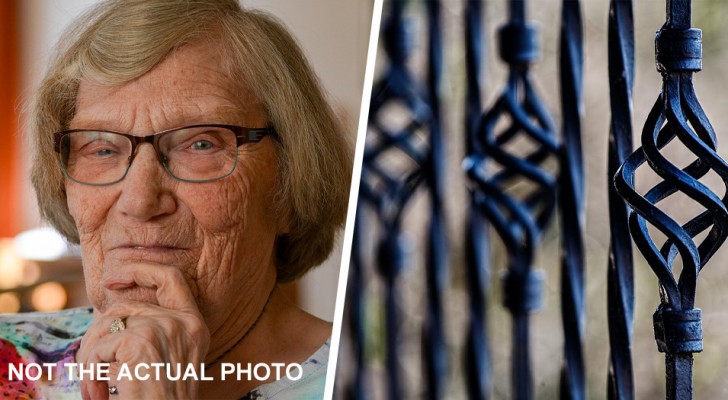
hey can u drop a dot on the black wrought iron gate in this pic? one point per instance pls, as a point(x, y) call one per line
point(522, 169)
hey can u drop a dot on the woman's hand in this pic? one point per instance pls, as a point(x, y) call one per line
point(172, 332)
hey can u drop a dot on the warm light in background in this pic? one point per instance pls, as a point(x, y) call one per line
point(50, 296)
point(43, 244)
point(9, 303)
point(11, 266)
point(31, 273)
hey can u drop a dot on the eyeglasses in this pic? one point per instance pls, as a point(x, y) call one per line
point(196, 153)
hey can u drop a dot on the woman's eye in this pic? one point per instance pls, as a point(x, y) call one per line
point(202, 145)
point(99, 150)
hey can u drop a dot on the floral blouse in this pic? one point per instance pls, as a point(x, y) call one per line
point(38, 338)
point(53, 339)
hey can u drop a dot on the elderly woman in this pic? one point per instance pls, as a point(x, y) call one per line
point(188, 148)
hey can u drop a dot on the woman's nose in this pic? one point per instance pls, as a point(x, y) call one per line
point(147, 191)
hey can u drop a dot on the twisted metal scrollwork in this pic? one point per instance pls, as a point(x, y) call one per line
point(677, 114)
point(571, 202)
point(519, 214)
point(477, 352)
point(620, 280)
point(389, 187)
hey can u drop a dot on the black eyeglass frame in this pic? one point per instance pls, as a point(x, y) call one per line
point(243, 136)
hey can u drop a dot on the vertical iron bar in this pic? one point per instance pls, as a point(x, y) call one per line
point(477, 350)
point(571, 202)
point(620, 280)
point(517, 11)
point(521, 374)
point(434, 347)
point(679, 14)
point(474, 49)
point(392, 331)
point(679, 369)
point(356, 312)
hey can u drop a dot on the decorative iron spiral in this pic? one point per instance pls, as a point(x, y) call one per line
point(518, 218)
point(677, 114)
point(388, 187)
point(620, 280)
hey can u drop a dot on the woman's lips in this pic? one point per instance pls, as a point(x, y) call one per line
point(139, 250)
point(148, 247)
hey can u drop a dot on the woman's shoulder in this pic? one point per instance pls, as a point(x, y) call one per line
point(309, 384)
point(41, 339)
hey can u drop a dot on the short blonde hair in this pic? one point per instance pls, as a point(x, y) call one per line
point(120, 40)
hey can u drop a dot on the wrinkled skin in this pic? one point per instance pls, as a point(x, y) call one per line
point(189, 265)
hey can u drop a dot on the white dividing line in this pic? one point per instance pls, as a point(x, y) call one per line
point(353, 199)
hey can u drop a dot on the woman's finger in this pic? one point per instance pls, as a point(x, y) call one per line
point(101, 325)
point(147, 342)
point(151, 338)
point(147, 322)
point(123, 347)
point(94, 389)
point(172, 290)
point(131, 309)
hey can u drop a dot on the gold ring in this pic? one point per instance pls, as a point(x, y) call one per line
point(117, 325)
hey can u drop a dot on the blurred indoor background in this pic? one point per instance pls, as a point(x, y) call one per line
point(38, 271)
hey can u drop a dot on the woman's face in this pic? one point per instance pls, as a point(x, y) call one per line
point(219, 234)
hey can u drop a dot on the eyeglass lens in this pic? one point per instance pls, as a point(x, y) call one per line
point(189, 154)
